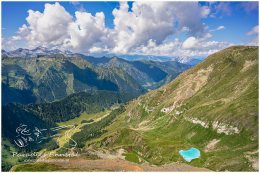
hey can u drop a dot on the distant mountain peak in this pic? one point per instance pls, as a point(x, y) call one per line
point(188, 60)
point(40, 50)
point(41, 47)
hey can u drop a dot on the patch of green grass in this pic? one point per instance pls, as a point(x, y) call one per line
point(84, 116)
point(33, 167)
point(89, 118)
point(132, 157)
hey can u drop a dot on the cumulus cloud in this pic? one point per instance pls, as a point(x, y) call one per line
point(191, 47)
point(48, 28)
point(146, 28)
point(190, 42)
point(155, 21)
point(86, 31)
point(146, 21)
point(203, 46)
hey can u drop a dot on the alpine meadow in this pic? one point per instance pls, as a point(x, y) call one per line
point(130, 86)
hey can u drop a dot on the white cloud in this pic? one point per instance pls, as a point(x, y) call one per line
point(218, 28)
point(196, 47)
point(147, 28)
point(16, 38)
point(253, 31)
point(190, 42)
point(86, 31)
point(146, 21)
point(155, 21)
point(205, 11)
point(48, 28)
point(12, 43)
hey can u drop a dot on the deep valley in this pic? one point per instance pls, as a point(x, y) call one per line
point(120, 115)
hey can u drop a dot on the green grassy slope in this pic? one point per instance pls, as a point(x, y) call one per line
point(213, 107)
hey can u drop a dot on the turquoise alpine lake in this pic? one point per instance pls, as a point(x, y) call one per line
point(189, 155)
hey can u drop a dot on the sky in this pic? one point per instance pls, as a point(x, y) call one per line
point(174, 29)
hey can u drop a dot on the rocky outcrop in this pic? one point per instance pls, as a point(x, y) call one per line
point(197, 121)
point(224, 128)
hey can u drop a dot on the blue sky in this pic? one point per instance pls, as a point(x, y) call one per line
point(217, 25)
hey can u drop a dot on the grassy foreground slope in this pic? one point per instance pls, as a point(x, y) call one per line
point(213, 107)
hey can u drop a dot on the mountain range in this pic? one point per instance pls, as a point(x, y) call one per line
point(39, 51)
point(42, 75)
point(185, 60)
point(212, 106)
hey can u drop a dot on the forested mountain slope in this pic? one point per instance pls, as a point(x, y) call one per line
point(49, 77)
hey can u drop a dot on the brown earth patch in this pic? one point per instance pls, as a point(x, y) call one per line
point(80, 164)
